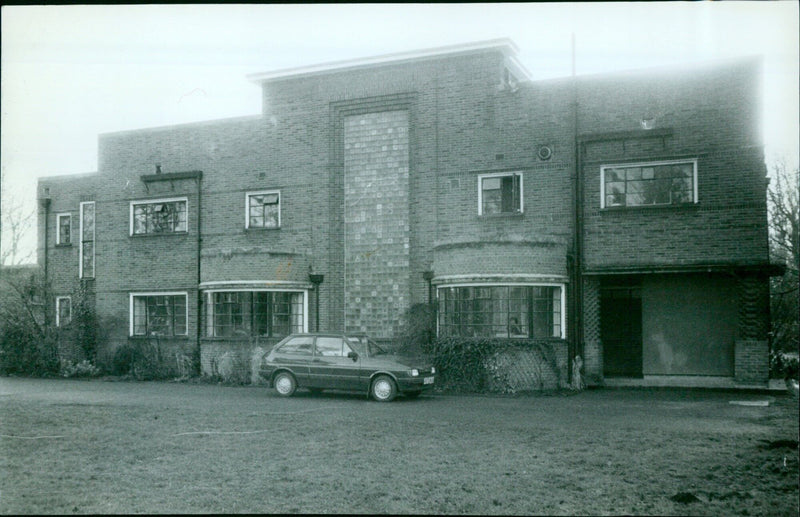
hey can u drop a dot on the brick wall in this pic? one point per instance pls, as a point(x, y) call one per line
point(752, 361)
point(460, 124)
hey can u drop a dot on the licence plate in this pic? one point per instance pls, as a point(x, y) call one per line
point(427, 380)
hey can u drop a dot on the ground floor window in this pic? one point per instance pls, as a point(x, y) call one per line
point(162, 314)
point(254, 313)
point(63, 311)
point(509, 311)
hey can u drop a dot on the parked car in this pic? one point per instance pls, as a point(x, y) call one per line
point(344, 362)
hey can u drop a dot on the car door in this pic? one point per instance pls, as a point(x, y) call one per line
point(331, 368)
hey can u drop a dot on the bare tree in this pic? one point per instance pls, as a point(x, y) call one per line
point(784, 247)
point(16, 221)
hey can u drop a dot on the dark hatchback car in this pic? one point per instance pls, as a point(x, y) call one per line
point(344, 362)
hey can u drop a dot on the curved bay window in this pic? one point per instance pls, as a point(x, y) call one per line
point(505, 311)
point(254, 313)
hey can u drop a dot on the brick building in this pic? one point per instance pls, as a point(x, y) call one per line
point(618, 217)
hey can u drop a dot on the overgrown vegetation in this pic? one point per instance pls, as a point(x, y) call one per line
point(28, 344)
point(147, 359)
point(480, 364)
point(784, 238)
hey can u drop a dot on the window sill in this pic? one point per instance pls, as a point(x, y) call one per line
point(259, 229)
point(503, 215)
point(140, 337)
point(165, 234)
point(621, 209)
point(64, 245)
point(240, 337)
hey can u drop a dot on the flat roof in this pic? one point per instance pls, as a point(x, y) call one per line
point(504, 45)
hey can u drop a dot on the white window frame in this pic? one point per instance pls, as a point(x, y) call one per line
point(59, 301)
point(58, 227)
point(155, 202)
point(481, 177)
point(247, 207)
point(515, 284)
point(131, 296)
point(603, 168)
point(80, 241)
point(209, 303)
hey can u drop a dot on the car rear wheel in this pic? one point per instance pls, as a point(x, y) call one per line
point(285, 384)
point(383, 388)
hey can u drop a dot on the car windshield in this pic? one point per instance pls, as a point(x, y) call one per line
point(363, 343)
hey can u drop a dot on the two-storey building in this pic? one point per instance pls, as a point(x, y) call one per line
point(620, 217)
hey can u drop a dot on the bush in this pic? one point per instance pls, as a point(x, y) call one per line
point(142, 359)
point(81, 369)
point(784, 365)
point(24, 351)
point(419, 329)
point(481, 365)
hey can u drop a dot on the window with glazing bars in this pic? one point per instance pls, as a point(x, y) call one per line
point(669, 183)
point(254, 313)
point(64, 229)
point(86, 264)
point(500, 311)
point(155, 314)
point(158, 217)
point(263, 209)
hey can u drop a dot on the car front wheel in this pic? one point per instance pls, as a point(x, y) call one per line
point(383, 389)
point(285, 384)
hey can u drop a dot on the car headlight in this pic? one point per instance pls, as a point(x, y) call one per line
point(414, 372)
point(433, 370)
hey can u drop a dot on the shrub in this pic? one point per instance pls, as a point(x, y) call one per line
point(418, 330)
point(24, 351)
point(784, 365)
point(81, 369)
point(493, 364)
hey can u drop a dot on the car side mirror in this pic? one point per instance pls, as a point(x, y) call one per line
point(352, 355)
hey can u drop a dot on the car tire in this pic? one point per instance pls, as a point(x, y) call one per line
point(383, 388)
point(285, 384)
point(413, 394)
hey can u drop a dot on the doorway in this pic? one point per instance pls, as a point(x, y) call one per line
point(621, 331)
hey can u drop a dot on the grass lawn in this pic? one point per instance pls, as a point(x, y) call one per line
point(125, 447)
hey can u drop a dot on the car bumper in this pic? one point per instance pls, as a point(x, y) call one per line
point(416, 383)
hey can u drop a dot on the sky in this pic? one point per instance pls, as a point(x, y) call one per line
point(70, 73)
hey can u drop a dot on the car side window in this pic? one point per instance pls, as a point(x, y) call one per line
point(329, 346)
point(302, 345)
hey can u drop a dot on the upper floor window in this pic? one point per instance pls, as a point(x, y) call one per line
point(63, 311)
point(63, 229)
point(263, 209)
point(159, 216)
point(86, 253)
point(500, 193)
point(649, 184)
point(164, 314)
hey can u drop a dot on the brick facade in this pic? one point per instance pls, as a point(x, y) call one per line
point(378, 172)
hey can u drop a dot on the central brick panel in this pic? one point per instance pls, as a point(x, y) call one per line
point(376, 226)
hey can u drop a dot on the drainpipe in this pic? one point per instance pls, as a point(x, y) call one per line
point(577, 241)
point(45, 202)
point(199, 249)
